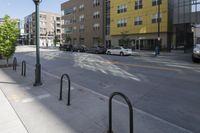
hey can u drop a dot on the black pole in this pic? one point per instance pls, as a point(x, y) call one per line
point(38, 65)
point(159, 20)
point(130, 111)
point(23, 73)
point(69, 88)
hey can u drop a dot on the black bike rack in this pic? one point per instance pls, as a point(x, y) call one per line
point(69, 88)
point(15, 64)
point(23, 73)
point(110, 111)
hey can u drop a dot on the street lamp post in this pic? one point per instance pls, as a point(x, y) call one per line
point(159, 19)
point(38, 65)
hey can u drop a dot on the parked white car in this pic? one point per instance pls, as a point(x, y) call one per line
point(196, 53)
point(119, 51)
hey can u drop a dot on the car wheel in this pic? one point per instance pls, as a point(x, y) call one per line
point(109, 53)
point(194, 59)
point(121, 54)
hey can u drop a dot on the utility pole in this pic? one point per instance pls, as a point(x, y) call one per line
point(38, 65)
point(159, 19)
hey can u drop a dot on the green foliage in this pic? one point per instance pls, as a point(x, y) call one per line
point(99, 40)
point(67, 39)
point(56, 40)
point(125, 41)
point(8, 37)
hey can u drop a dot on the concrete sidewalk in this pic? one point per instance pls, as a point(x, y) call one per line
point(162, 53)
point(41, 112)
point(9, 121)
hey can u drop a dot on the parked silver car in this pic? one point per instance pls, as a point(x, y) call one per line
point(119, 51)
point(196, 53)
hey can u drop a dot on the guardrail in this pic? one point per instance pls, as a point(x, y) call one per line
point(15, 64)
point(69, 88)
point(23, 73)
point(130, 111)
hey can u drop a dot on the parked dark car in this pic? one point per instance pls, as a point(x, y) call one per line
point(65, 47)
point(79, 48)
point(96, 50)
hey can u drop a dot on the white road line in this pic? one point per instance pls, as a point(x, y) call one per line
point(28, 100)
point(118, 102)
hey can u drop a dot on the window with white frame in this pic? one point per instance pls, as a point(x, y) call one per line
point(122, 8)
point(155, 18)
point(81, 18)
point(122, 23)
point(96, 2)
point(81, 7)
point(138, 4)
point(96, 14)
point(156, 2)
point(96, 26)
point(138, 20)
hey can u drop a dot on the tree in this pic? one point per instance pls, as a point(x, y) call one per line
point(56, 40)
point(8, 37)
point(124, 41)
point(67, 39)
point(99, 40)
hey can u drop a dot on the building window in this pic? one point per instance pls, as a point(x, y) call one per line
point(67, 21)
point(122, 8)
point(68, 11)
point(138, 20)
point(81, 41)
point(96, 27)
point(81, 7)
point(96, 3)
point(81, 29)
point(122, 23)
point(74, 29)
point(58, 19)
point(195, 5)
point(58, 31)
point(68, 30)
point(138, 4)
point(155, 18)
point(81, 18)
point(74, 20)
point(96, 14)
point(74, 9)
point(156, 2)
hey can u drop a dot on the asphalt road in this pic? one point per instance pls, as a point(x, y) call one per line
point(165, 87)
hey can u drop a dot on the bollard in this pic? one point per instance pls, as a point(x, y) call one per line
point(69, 88)
point(15, 64)
point(23, 73)
point(130, 111)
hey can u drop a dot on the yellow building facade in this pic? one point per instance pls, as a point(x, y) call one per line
point(138, 19)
